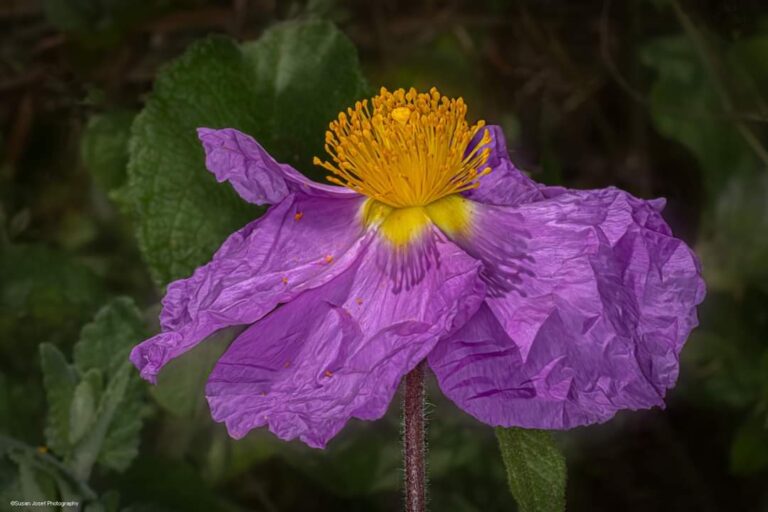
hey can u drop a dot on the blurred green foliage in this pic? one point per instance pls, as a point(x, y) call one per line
point(707, 94)
point(45, 295)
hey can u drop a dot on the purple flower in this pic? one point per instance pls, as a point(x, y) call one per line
point(535, 306)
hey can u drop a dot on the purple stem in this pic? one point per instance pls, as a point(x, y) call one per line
point(414, 441)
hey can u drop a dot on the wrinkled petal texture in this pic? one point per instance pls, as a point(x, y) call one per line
point(236, 157)
point(339, 351)
point(590, 300)
point(505, 184)
point(300, 243)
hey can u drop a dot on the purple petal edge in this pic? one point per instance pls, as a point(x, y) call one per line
point(590, 301)
point(236, 157)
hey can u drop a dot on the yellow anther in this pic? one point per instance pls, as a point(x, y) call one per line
point(401, 114)
point(406, 148)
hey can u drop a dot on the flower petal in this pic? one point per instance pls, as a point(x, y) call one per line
point(590, 302)
point(300, 243)
point(339, 351)
point(236, 157)
point(505, 184)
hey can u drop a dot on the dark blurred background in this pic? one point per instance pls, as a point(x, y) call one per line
point(659, 97)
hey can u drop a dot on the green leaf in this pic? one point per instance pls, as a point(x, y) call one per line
point(31, 486)
point(536, 470)
point(112, 435)
point(60, 381)
point(69, 485)
point(305, 74)
point(121, 445)
point(228, 458)
point(180, 386)
point(182, 213)
point(282, 89)
point(106, 342)
point(104, 147)
point(82, 411)
point(85, 424)
point(85, 453)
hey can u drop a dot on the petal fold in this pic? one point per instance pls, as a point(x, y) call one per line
point(236, 157)
point(590, 302)
point(339, 351)
point(300, 243)
point(506, 184)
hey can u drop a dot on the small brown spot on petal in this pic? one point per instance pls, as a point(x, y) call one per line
point(298, 215)
point(359, 301)
point(287, 364)
point(285, 280)
point(329, 258)
point(328, 373)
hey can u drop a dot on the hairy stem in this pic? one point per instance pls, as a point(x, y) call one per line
point(414, 447)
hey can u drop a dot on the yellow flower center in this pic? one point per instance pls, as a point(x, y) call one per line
point(406, 149)
point(452, 214)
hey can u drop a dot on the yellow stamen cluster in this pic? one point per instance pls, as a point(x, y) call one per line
point(405, 148)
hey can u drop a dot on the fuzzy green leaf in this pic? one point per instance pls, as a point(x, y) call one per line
point(536, 470)
point(60, 381)
point(104, 147)
point(32, 488)
point(121, 444)
point(86, 452)
point(112, 436)
point(106, 342)
point(305, 74)
point(82, 411)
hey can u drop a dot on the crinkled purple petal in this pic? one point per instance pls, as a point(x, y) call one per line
point(300, 243)
point(590, 301)
point(505, 184)
point(339, 351)
point(236, 157)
